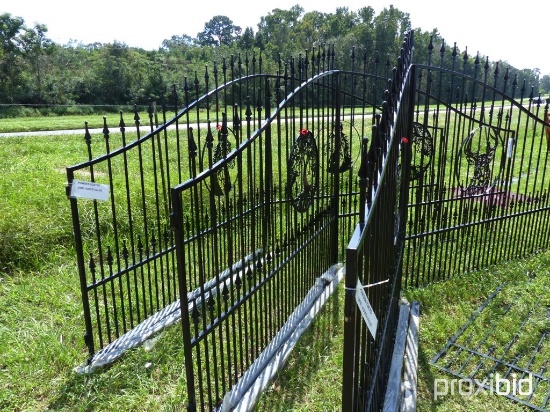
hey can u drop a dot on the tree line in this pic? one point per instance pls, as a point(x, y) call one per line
point(38, 74)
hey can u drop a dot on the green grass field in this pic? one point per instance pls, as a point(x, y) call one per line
point(42, 326)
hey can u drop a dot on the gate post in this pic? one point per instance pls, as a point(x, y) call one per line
point(352, 320)
point(88, 337)
point(176, 221)
point(349, 378)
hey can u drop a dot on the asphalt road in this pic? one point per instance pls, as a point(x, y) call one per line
point(68, 132)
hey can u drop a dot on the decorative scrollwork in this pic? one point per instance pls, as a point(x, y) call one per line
point(423, 151)
point(478, 149)
point(303, 171)
point(221, 182)
point(339, 161)
point(223, 148)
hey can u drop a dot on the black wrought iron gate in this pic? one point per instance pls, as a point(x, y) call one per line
point(225, 214)
point(255, 231)
point(456, 178)
point(240, 197)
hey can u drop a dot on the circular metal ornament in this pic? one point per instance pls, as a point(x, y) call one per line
point(303, 171)
point(339, 160)
point(423, 151)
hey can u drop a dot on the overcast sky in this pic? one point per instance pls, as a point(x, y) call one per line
point(514, 31)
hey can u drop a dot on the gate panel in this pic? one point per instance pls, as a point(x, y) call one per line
point(226, 215)
point(479, 180)
point(124, 243)
point(264, 224)
point(254, 233)
point(374, 253)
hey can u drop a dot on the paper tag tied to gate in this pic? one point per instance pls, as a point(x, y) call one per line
point(510, 149)
point(366, 309)
point(89, 190)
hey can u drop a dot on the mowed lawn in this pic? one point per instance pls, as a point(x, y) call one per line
point(42, 326)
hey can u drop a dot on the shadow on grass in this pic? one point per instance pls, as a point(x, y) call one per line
point(144, 380)
point(311, 377)
point(425, 375)
point(140, 380)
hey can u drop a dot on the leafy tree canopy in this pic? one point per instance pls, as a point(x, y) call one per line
point(219, 30)
point(35, 70)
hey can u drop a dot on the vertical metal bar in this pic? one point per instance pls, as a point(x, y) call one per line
point(109, 261)
point(92, 267)
point(81, 264)
point(142, 276)
point(406, 152)
point(240, 242)
point(116, 239)
point(122, 127)
point(177, 226)
point(334, 244)
point(268, 172)
point(349, 378)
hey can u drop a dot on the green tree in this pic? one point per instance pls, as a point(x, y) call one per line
point(35, 49)
point(422, 40)
point(35, 70)
point(246, 42)
point(311, 29)
point(178, 43)
point(219, 30)
point(277, 31)
point(359, 31)
point(545, 84)
point(341, 22)
point(11, 77)
point(364, 32)
point(391, 24)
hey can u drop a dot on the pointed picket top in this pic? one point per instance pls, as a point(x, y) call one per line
point(121, 124)
point(87, 135)
point(105, 129)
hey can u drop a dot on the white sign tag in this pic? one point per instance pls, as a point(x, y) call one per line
point(366, 309)
point(89, 190)
point(510, 150)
